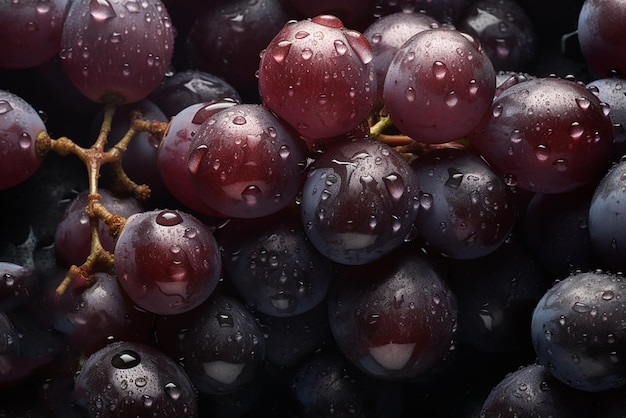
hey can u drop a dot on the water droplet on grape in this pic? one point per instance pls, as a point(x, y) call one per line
point(516, 136)
point(25, 141)
point(425, 200)
point(455, 178)
point(251, 194)
point(439, 70)
point(225, 319)
point(340, 47)
point(581, 307)
point(542, 152)
point(127, 359)
point(395, 185)
point(101, 10)
point(239, 120)
point(560, 164)
point(583, 103)
point(576, 130)
point(168, 218)
point(5, 107)
point(410, 94)
point(451, 99)
point(360, 45)
point(306, 53)
point(172, 390)
point(280, 52)
point(608, 295)
point(141, 382)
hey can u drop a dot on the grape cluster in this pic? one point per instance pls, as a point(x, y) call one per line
point(373, 208)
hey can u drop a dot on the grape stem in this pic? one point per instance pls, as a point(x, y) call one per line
point(94, 158)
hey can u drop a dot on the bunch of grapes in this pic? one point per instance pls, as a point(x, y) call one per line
point(251, 208)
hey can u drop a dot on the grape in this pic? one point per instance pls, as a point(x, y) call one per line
point(102, 314)
point(73, 233)
point(185, 88)
point(387, 34)
point(223, 347)
point(394, 318)
point(133, 379)
point(30, 31)
point(167, 261)
point(245, 162)
point(532, 391)
point(318, 76)
point(359, 201)
point(556, 227)
point(227, 38)
point(546, 135)
point(600, 36)
point(466, 210)
point(114, 51)
point(606, 223)
point(439, 85)
point(20, 125)
point(174, 149)
point(496, 295)
point(275, 269)
point(505, 32)
point(611, 91)
point(577, 331)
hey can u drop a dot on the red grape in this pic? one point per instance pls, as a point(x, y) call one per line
point(546, 135)
point(167, 261)
point(116, 51)
point(318, 76)
point(439, 85)
point(20, 125)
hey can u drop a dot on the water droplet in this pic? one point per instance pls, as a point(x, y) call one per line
point(439, 70)
point(132, 6)
point(451, 99)
point(190, 233)
point(360, 46)
point(284, 152)
point(542, 152)
point(225, 319)
point(307, 53)
point(410, 94)
point(516, 136)
point(581, 307)
point(583, 103)
point(173, 391)
point(281, 50)
point(562, 320)
point(5, 107)
point(239, 120)
point(455, 177)
point(576, 130)
point(168, 218)
point(126, 359)
point(376, 38)
point(340, 47)
point(251, 194)
point(25, 141)
point(497, 111)
point(301, 34)
point(195, 158)
point(141, 382)
point(395, 185)
point(101, 10)
point(560, 164)
point(473, 87)
point(426, 200)
point(608, 295)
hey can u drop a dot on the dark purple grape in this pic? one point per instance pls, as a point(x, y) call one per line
point(226, 39)
point(387, 34)
point(291, 340)
point(505, 32)
point(439, 85)
point(466, 210)
point(612, 91)
point(496, 295)
point(133, 379)
point(546, 135)
point(600, 24)
point(102, 314)
point(175, 147)
point(318, 76)
point(116, 52)
point(30, 31)
point(72, 239)
point(359, 201)
point(167, 261)
point(20, 125)
point(578, 333)
point(606, 219)
point(273, 266)
point(326, 385)
point(394, 318)
point(531, 391)
point(223, 346)
point(245, 162)
point(556, 228)
point(185, 88)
